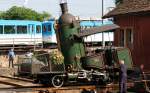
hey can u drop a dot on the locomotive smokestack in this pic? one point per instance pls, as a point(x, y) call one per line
point(64, 8)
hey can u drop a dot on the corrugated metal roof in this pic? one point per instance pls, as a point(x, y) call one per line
point(95, 30)
point(129, 6)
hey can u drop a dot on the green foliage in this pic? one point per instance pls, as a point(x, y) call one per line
point(1, 14)
point(22, 13)
point(56, 57)
point(118, 1)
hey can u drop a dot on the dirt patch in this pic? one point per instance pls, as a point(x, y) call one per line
point(4, 60)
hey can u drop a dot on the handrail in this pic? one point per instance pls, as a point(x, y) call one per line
point(20, 40)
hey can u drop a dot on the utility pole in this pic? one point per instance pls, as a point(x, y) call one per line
point(102, 9)
point(103, 41)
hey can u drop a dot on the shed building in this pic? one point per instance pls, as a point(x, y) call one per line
point(133, 17)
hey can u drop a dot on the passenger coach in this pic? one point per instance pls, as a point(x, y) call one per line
point(20, 32)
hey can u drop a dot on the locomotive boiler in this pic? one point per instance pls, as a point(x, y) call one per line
point(71, 48)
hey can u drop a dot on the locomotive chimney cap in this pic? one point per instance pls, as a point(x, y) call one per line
point(66, 18)
point(64, 7)
point(63, 1)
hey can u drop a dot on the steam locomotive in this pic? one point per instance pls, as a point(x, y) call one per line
point(96, 66)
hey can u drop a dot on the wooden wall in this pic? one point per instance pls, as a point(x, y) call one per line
point(141, 37)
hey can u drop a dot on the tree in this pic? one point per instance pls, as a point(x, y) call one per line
point(1, 14)
point(118, 1)
point(22, 13)
point(45, 15)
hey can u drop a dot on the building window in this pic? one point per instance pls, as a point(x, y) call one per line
point(9, 29)
point(21, 29)
point(126, 37)
point(1, 29)
point(129, 37)
point(38, 29)
point(122, 37)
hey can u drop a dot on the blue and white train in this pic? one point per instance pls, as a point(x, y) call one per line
point(20, 32)
point(25, 32)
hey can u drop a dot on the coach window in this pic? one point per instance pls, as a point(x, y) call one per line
point(21, 29)
point(49, 27)
point(9, 29)
point(38, 29)
point(1, 29)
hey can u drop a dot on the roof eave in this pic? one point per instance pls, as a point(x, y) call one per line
point(120, 14)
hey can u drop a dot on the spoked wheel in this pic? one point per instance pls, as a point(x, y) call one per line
point(57, 81)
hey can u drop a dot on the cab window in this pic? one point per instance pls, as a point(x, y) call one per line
point(44, 28)
point(49, 27)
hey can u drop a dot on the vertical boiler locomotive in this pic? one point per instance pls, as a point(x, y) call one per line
point(98, 66)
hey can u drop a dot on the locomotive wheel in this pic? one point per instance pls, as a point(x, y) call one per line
point(57, 81)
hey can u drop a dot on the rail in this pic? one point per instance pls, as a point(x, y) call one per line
point(22, 84)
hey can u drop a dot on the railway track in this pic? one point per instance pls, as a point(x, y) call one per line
point(17, 82)
point(23, 85)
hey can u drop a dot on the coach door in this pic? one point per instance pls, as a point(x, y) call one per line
point(32, 33)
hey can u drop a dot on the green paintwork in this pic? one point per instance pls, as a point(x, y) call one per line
point(95, 61)
point(124, 54)
point(71, 49)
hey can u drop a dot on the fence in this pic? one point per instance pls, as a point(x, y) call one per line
point(6, 43)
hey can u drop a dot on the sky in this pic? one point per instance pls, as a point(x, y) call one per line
point(81, 8)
